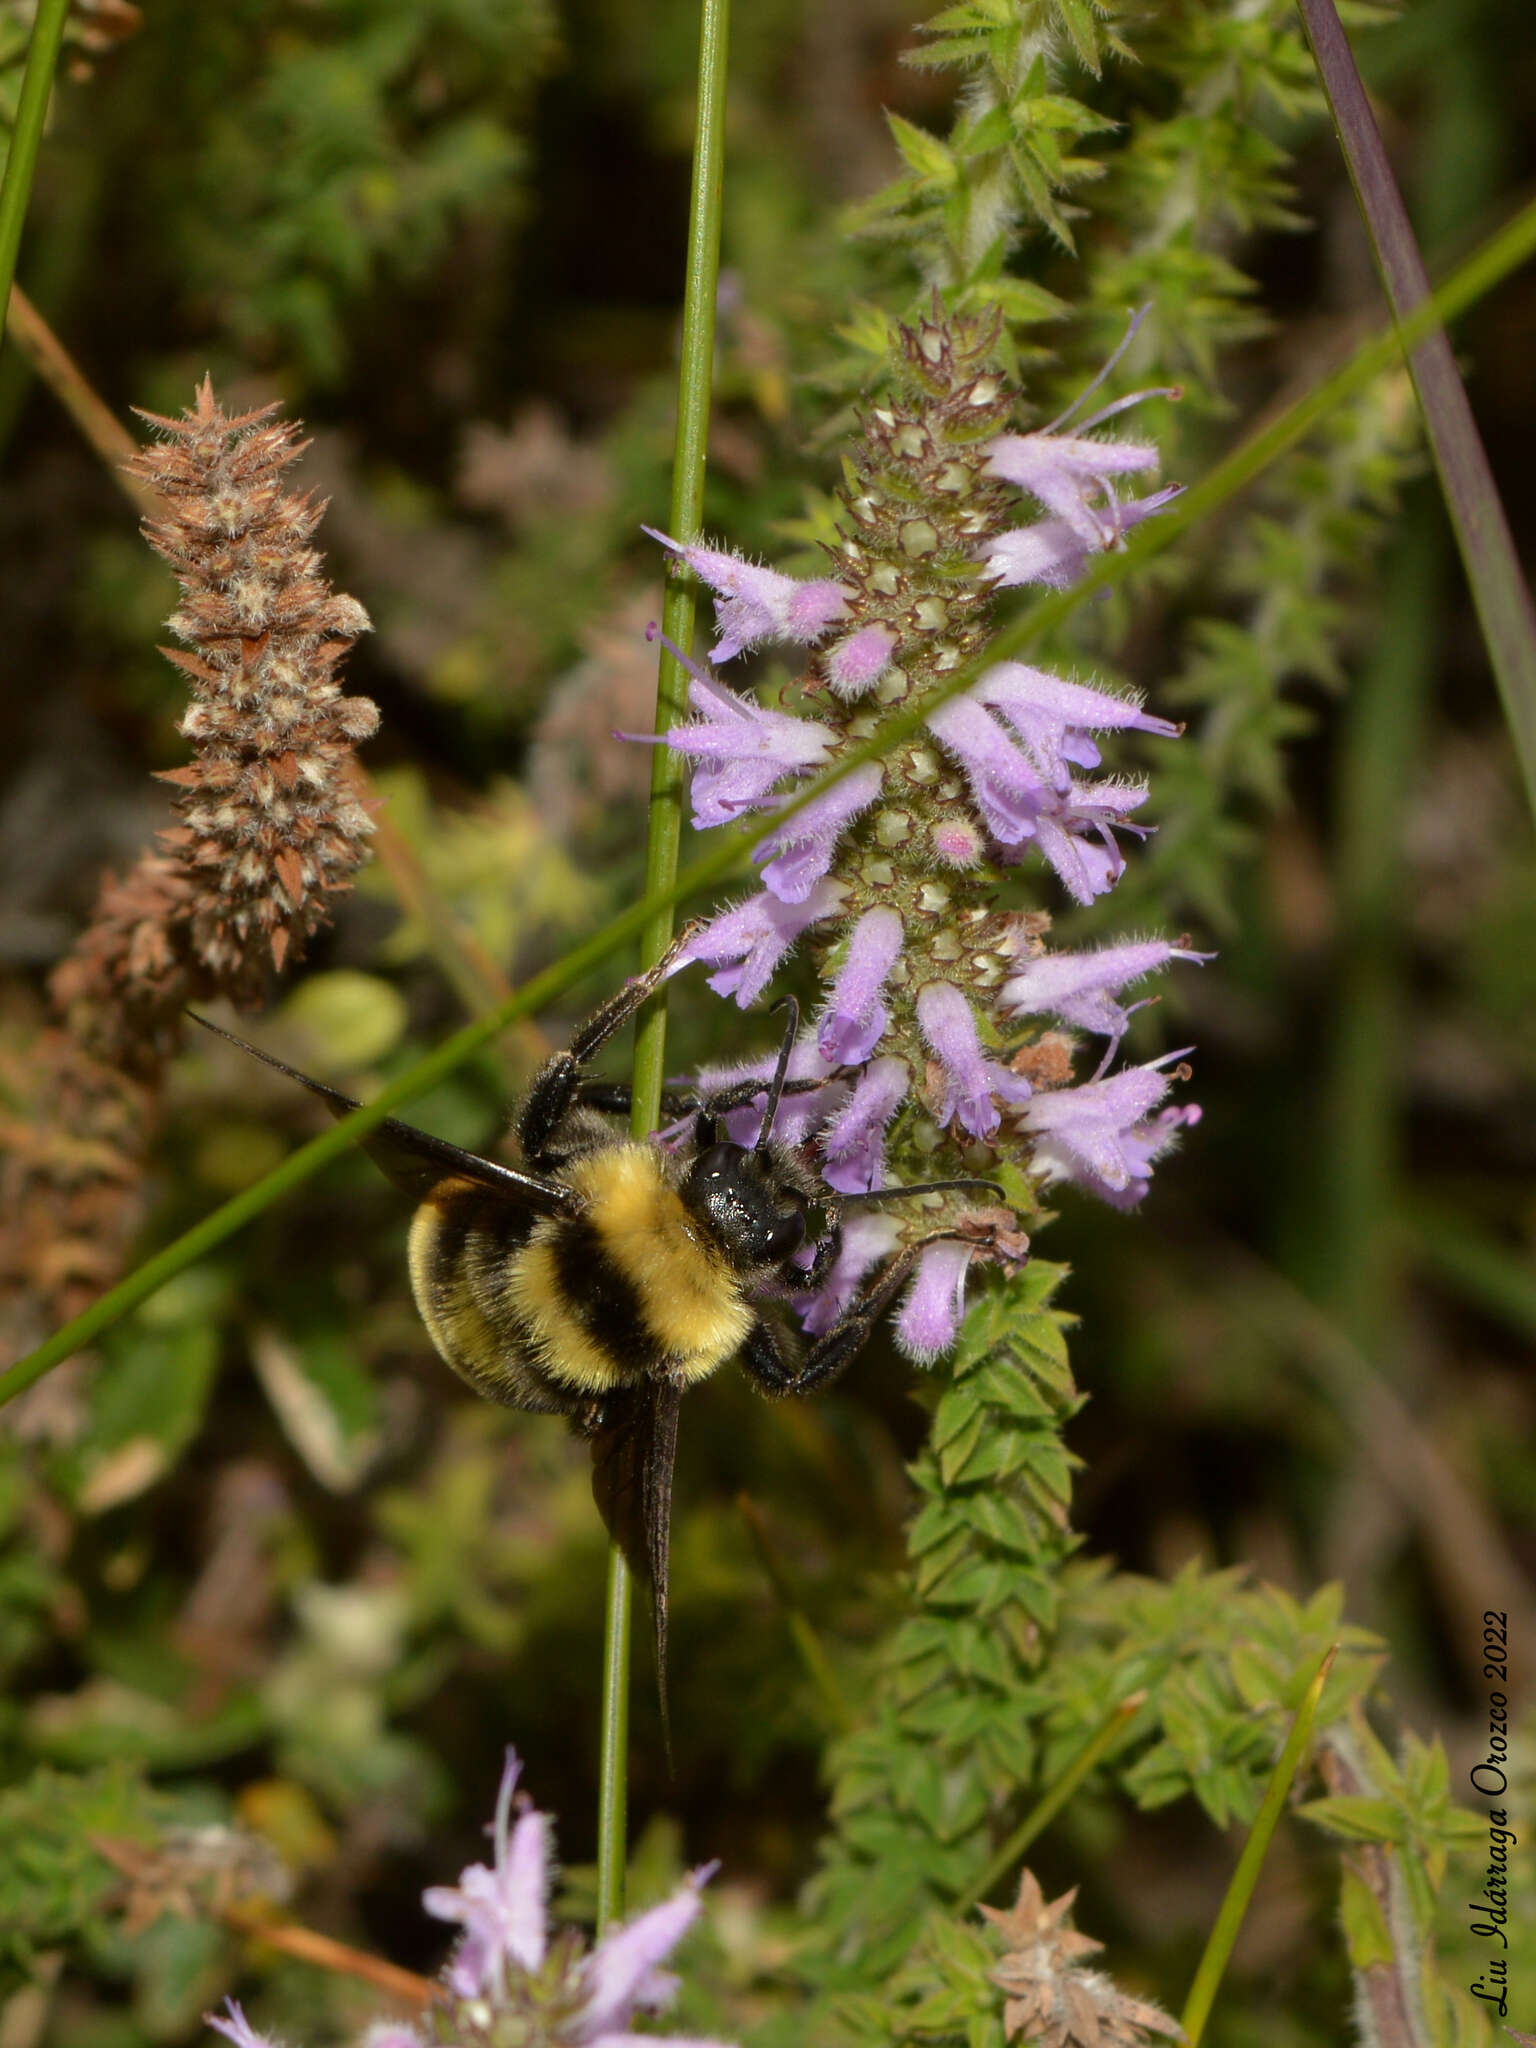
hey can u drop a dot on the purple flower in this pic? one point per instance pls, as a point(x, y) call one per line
point(855, 1018)
point(800, 1113)
point(624, 1971)
point(930, 1316)
point(800, 852)
point(970, 1079)
point(1103, 1135)
point(391, 2034)
point(868, 1237)
point(1078, 836)
point(854, 1142)
point(1081, 988)
point(1053, 717)
point(741, 749)
point(856, 663)
point(1055, 553)
point(1003, 780)
point(747, 943)
point(234, 2026)
point(753, 603)
point(501, 1910)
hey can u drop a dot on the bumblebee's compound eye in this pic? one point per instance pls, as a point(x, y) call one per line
point(786, 1236)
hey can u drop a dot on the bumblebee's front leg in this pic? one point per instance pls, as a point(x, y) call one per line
point(558, 1085)
point(769, 1354)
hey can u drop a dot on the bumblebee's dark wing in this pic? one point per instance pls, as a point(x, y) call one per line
point(414, 1160)
point(633, 1454)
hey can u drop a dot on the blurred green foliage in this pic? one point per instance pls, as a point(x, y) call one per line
point(262, 1567)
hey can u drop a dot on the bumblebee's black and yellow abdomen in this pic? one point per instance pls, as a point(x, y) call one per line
point(544, 1311)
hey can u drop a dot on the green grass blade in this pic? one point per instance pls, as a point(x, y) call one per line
point(1218, 1950)
point(1040, 1816)
point(27, 139)
point(664, 835)
point(1497, 258)
point(1499, 590)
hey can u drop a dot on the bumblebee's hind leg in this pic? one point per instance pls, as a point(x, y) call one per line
point(559, 1088)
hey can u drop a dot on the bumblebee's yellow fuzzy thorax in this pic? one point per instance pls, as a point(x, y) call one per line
point(689, 1298)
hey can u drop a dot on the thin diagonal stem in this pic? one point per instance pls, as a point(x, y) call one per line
point(27, 138)
point(1496, 259)
point(664, 833)
point(1218, 1949)
point(1499, 590)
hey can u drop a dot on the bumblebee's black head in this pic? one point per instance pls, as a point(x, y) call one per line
point(746, 1201)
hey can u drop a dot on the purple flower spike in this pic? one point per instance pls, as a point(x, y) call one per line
point(1055, 553)
point(234, 2026)
point(742, 749)
point(857, 663)
point(1081, 988)
point(853, 1147)
point(502, 1910)
point(867, 1239)
point(800, 852)
point(1008, 791)
point(854, 1020)
point(930, 1316)
point(1052, 717)
point(1103, 1135)
point(747, 943)
point(971, 1080)
point(754, 603)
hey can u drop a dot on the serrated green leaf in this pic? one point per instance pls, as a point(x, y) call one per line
point(1355, 1818)
point(926, 154)
point(1366, 1934)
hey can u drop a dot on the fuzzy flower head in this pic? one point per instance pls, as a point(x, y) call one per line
point(510, 1979)
point(937, 1024)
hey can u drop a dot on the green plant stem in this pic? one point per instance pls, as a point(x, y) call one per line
point(1500, 593)
point(1497, 258)
point(1218, 1950)
point(664, 830)
point(27, 137)
point(1040, 1816)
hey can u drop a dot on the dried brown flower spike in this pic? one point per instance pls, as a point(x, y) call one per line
point(1050, 2000)
point(271, 824)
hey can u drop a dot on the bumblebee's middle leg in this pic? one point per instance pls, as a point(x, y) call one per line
point(558, 1085)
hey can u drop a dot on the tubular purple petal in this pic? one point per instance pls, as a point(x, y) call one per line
point(755, 603)
point(853, 1145)
point(929, 1320)
point(855, 1018)
point(1102, 1135)
point(1081, 988)
point(618, 1968)
point(747, 943)
point(742, 750)
point(799, 854)
point(1008, 791)
point(1052, 717)
point(234, 2026)
point(971, 1080)
point(867, 1239)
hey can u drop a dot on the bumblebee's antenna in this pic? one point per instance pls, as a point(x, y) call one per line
point(927, 1187)
point(776, 1086)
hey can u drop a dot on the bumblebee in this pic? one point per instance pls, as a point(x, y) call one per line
point(609, 1274)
